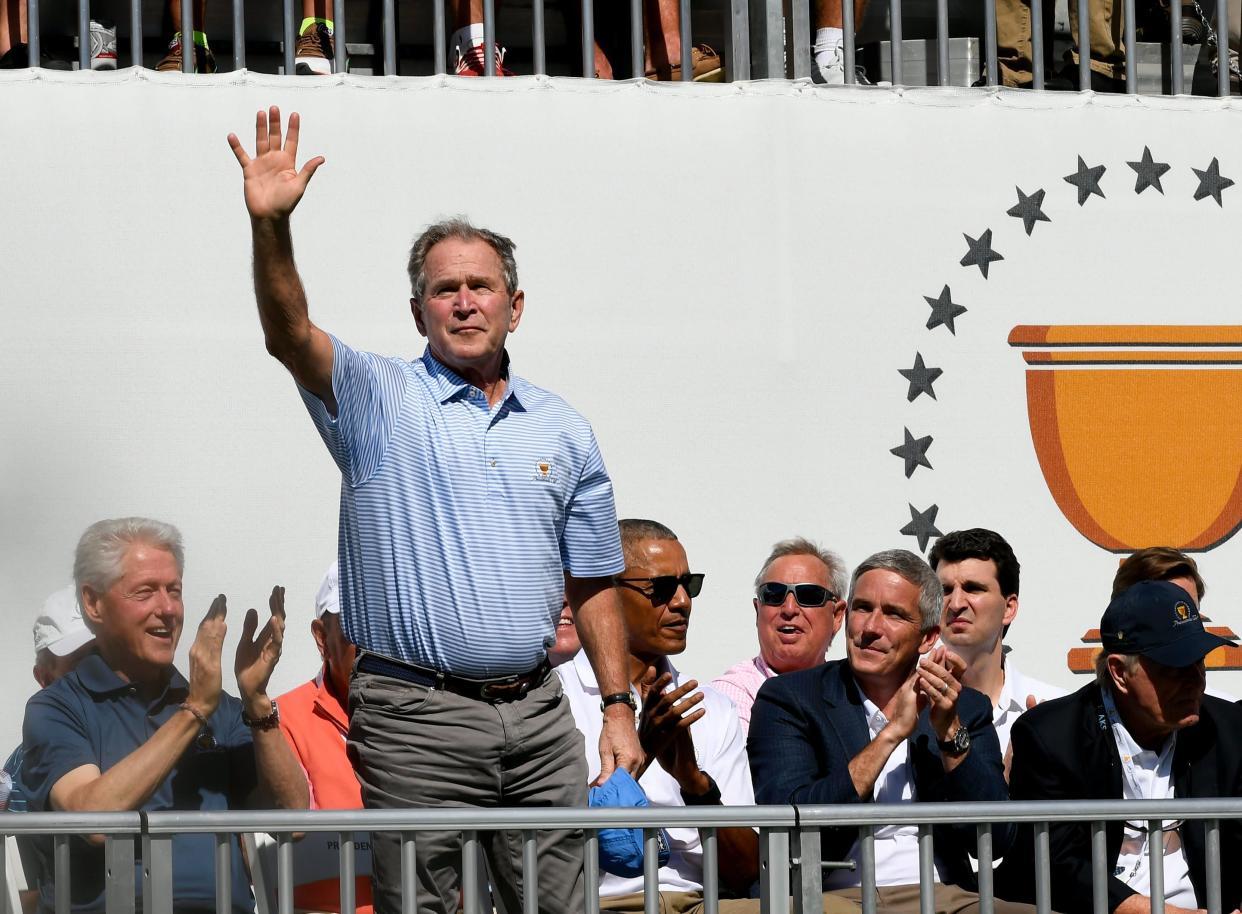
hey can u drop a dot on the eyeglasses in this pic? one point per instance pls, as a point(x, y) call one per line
point(773, 593)
point(664, 587)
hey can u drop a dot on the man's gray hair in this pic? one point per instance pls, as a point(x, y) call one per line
point(97, 563)
point(838, 576)
point(458, 227)
point(913, 569)
point(1103, 678)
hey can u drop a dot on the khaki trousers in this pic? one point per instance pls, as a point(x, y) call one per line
point(904, 899)
point(1013, 38)
point(692, 903)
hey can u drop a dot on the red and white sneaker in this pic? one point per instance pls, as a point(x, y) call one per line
point(473, 61)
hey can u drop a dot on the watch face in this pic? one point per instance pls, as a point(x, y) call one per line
point(961, 739)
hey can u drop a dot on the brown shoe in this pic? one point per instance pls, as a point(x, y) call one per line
point(315, 51)
point(705, 63)
point(204, 60)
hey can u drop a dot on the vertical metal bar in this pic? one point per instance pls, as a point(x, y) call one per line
point(737, 41)
point(284, 873)
point(1043, 890)
point(291, 39)
point(711, 870)
point(942, 42)
point(588, 72)
point(1037, 43)
point(135, 32)
point(894, 39)
point(651, 872)
point(438, 39)
point(809, 892)
point(187, 36)
point(990, 53)
point(119, 863)
point(927, 872)
point(1099, 868)
point(1131, 42)
point(866, 861)
point(636, 38)
point(540, 41)
point(157, 889)
point(847, 44)
point(409, 875)
point(84, 34)
point(340, 55)
point(32, 32)
point(798, 38)
point(983, 844)
point(590, 871)
point(390, 38)
point(470, 856)
point(60, 857)
point(489, 37)
point(346, 863)
point(1212, 863)
point(1155, 834)
point(774, 871)
point(224, 873)
point(1222, 53)
point(1175, 66)
point(686, 62)
point(1084, 45)
point(239, 35)
point(530, 874)
point(10, 852)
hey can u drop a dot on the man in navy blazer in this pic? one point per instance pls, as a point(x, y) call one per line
point(890, 723)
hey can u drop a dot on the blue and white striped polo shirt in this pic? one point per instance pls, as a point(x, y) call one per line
point(459, 519)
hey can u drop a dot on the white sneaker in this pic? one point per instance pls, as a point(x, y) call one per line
point(103, 46)
point(831, 73)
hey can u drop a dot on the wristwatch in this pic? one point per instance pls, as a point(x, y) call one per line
point(711, 798)
point(957, 745)
point(619, 698)
point(271, 722)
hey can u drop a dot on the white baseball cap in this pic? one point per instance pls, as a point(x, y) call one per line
point(328, 597)
point(60, 628)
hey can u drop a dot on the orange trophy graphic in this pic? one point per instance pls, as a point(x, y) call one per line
point(1138, 432)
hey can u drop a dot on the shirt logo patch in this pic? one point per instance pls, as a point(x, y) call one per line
point(543, 471)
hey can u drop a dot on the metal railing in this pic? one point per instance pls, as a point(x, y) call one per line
point(760, 38)
point(791, 868)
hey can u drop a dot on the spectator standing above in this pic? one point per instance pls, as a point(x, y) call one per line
point(312, 56)
point(891, 723)
point(1160, 563)
point(126, 731)
point(472, 503)
point(799, 608)
point(1143, 730)
point(979, 574)
point(314, 721)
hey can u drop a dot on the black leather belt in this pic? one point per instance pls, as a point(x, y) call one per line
point(505, 688)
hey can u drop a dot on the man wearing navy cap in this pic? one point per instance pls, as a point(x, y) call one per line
point(1143, 730)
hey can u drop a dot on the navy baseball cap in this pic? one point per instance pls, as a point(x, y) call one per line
point(1159, 620)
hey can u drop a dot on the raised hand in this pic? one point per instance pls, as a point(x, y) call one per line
point(272, 183)
point(257, 656)
point(204, 694)
point(939, 681)
point(664, 725)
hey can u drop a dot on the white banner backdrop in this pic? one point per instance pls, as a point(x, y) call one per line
point(727, 280)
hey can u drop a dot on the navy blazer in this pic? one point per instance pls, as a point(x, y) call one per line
point(1064, 750)
point(805, 728)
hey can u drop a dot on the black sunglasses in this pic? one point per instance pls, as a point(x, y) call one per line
point(773, 593)
point(665, 586)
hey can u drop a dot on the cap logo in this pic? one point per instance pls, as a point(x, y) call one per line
point(1183, 613)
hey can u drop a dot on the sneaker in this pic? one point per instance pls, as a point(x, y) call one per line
point(18, 58)
point(315, 51)
point(705, 64)
point(833, 72)
point(103, 46)
point(473, 62)
point(204, 60)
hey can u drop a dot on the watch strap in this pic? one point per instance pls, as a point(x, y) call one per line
point(618, 698)
point(271, 722)
point(711, 798)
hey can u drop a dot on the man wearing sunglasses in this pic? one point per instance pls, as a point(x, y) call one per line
point(1143, 730)
point(891, 723)
point(798, 610)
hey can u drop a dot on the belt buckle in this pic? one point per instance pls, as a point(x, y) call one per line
point(499, 689)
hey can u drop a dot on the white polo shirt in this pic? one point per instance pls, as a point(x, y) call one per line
point(1012, 702)
point(719, 748)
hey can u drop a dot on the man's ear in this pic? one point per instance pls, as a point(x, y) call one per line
point(92, 606)
point(838, 617)
point(418, 316)
point(319, 632)
point(1116, 664)
point(517, 305)
point(928, 639)
point(1011, 609)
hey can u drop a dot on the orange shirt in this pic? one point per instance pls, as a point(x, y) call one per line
point(315, 725)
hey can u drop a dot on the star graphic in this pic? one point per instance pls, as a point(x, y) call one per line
point(944, 310)
point(1028, 209)
point(980, 252)
point(922, 525)
point(1149, 172)
point(1211, 183)
point(914, 452)
point(1087, 180)
point(920, 377)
